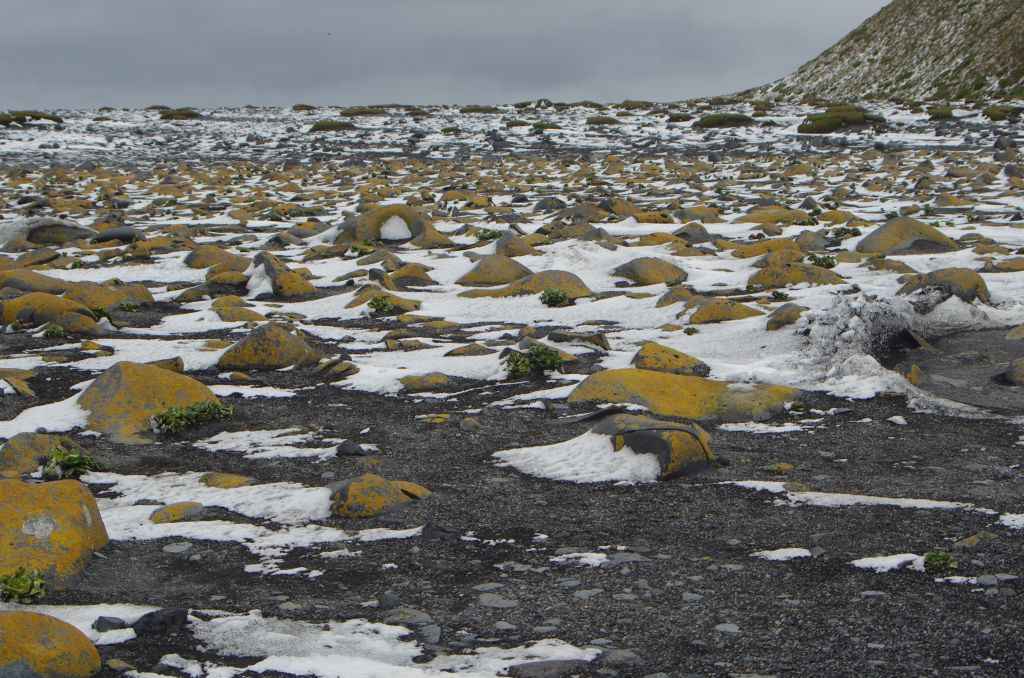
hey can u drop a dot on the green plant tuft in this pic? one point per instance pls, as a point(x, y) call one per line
point(939, 563)
point(24, 586)
point(822, 260)
point(54, 331)
point(554, 298)
point(534, 362)
point(718, 120)
point(332, 126)
point(177, 419)
point(382, 305)
point(488, 234)
point(61, 463)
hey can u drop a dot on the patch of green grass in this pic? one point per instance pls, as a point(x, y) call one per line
point(779, 295)
point(180, 114)
point(54, 331)
point(822, 260)
point(178, 419)
point(533, 363)
point(332, 126)
point(382, 306)
point(602, 120)
point(61, 463)
point(720, 120)
point(939, 563)
point(554, 298)
point(487, 234)
point(23, 117)
point(940, 112)
point(24, 586)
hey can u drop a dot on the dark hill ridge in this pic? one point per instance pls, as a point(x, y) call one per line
point(921, 49)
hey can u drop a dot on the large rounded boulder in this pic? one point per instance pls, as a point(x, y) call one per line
point(681, 449)
point(36, 645)
point(494, 270)
point(393, 223)
point(906, 236)
point(563, 281)
point(686, 397)
point(651, 271)
point(121, 401)
point(53, 528)
point(268, 347)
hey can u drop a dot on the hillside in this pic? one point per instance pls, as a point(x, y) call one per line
point(920, 49)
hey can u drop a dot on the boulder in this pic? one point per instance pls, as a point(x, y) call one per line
point(960, 282)
point(566, 282)
point(205, 256)
point(107, 298)
point(651, 271)
point(36, 645)
point(41, 231)
point(268, 275)
point(494, 270)
point(906, 236)
point(121, 401)
point(392, 223)
point(370, 495)
point(685, 397)
point(51, 527)
point(681, 449)
point(38, 308)
point(654, 356)
point(784, 315)
point(268, 347)
point(773, 277)
point(21, 454)
point(717, 310)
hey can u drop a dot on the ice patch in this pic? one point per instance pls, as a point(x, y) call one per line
point(782, 554)
point(900, 561)
point(589, 458)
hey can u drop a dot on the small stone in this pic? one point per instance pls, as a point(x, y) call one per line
point(692, 597)
point(988, 580)
point(873, 594)
point(431, 633)
point(178, 548)
point(104, 624)
point(727, 628)
point(488, 587)
point(388, 600)
point(587, 594)
point(505, 626)
point(161, 622)
point(620, 658)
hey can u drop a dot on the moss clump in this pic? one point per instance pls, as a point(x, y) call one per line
point(554, 298)
point(332, 126)
point(723, 120)
point(940, 112)
point(836, 118)
point(54, 331)
point(24, 586)
point(485, 234)
point(490, 110)
point(359, 111)
point(939, 563)
point(602, 120)
point(822, 261)
point(178, 419)
point(676, 118)
point(534, 363)
point(301, 108)
point(23, 117)
point(180, 114)
point(1001, 113)
point(543, 125)
point(63, 463)
point(383, 306)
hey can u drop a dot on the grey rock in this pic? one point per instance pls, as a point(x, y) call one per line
point(489, 587)
point(587, 594)
point(431, 633)
point(547, 669)
point(496, 601)
point(727, 628)
point(620, 658)
point(407, 616)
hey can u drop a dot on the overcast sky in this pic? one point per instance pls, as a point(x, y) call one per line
point(88, 53)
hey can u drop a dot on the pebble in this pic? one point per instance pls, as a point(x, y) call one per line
point(178, 548)
point(692, 597)
point(727, 628)
point(505, 626)
point(488, 587)
point(587, 594)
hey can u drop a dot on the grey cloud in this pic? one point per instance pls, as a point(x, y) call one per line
point(64, 53)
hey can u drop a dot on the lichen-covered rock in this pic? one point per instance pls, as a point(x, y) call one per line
point(784, 315)
point(51, 527)
point(686, 397)
point(651, 271)
point(494, 270)
point(268, 275)
point(773, 277)
point(268, 347)
point(179, 512)
point(21, 454)
point(393, 223)
point(681, 449)
point(718, 310)
point(38, 308)
point(34, 645)
point(906, 236)
point(563, 281)
point(961, 282)
point(421, 383)
point(370, 495)
point(654, 356)
point(121, 401)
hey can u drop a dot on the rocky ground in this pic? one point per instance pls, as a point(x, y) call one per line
point(652, 397)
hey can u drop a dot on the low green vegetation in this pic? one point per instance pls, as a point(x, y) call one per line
point(54, 331)
point(838, 117)
point(1001, 113)
point(61, 463)
point(724, 120)
point(485, 234)
point(480, 109)
point(332, 126)
point(822, 260)
point(939, 563)
point(535, 362)
point(180, 114)
point(24, 117)
point(554, 298)
point(382, 305)
point(178, 419)
point(940, 112)
point(23, 587)
point(602, 120)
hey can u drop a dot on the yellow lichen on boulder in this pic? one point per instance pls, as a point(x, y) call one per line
point(494, 270)
point(721, 310)
point(21, 454)
point(961, 282)
point(53, 528)
point(563, 281)
point(268, 347)
point(906, 236)
point(773, 277)
point(121, 401)
point(33, 644)
point(225, 481)
point(683, 396)
point(651, 271)
point(370, 495)
point(654, 356)
point(179, 512)
point(681, 449)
